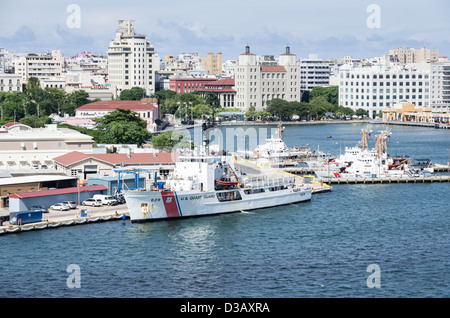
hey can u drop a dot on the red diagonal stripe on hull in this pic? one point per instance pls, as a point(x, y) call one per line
point(170, 204)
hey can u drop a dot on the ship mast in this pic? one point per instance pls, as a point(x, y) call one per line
point(280, 131)
point(365, 133)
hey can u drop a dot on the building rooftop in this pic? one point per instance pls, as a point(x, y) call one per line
point(30, 179)
point(273, 69)
point(44, 193)
point(117, 158)
point(122, 104)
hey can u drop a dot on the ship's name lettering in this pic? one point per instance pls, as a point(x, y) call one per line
point(208, 196)
point(155, 200)
point(195, 197)
point(296, 189)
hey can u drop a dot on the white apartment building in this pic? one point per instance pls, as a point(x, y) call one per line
point(42, 66)
point(2, 60)
point(10, 83)
point(440, 87)
point(132, 61)
point(257, 82)
point(314, 72)
point(376, 87)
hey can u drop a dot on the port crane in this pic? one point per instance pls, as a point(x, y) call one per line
point(136, 172)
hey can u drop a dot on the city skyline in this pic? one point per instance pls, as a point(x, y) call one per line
point(331, 29)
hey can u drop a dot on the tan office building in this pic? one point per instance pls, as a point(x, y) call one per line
point(212, 64)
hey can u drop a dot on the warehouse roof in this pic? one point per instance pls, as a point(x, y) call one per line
point(44, 193)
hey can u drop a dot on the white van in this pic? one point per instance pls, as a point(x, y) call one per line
point(106, 199)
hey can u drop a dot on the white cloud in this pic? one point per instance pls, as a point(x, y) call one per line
point(328, 27)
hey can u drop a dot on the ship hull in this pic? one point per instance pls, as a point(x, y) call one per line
point(146, 206)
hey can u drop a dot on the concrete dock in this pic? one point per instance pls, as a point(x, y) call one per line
point(435, 178)
point(55, 219)
point(309, 170)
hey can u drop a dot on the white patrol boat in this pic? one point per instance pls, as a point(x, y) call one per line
point(206, 185)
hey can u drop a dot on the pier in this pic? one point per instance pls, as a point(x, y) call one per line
point(311, 170)
point(55, 219)
point(436, 178)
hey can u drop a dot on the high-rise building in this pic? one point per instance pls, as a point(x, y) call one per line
point(314, 72)
point(212, 64)
point(42, 66)
point(440, 87)
point(132, 60)
point(257, 82)
point(376, 87)
point(2, 60)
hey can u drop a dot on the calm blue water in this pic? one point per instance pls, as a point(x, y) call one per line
point(320, 248)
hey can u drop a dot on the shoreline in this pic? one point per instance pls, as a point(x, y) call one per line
point(319, 122)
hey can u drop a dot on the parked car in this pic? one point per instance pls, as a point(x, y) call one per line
point(60, 206)
point(92, 202)
point(71, 204)
point(38, 208)
point(120, 199)
point(106, 199)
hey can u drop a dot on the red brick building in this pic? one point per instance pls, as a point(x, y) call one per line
point(189, 84)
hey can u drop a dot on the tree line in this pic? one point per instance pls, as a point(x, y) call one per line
point(35, 104)
point(318, 103)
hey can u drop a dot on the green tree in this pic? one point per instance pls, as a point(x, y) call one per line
point(121, 126)
point(79, 98)
point(182, 100)
point(280, 108)
point(250, 114)
point(168, 140)
point(331, 93)
point(34, 121)
point(361, 112)
point(318, 106)
point(135, 93)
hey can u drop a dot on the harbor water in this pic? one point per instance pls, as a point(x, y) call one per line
point(323, 248)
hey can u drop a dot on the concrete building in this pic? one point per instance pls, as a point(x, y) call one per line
point(189, 84)
point(2, 60)
point(224, 89)
point(132, 60)
point(374, 88)
point(23, 147)
point(42, 66)
point(86, 165)
point(257, 81)
point(410, 55)
point(147, 109)
point(10, 83)
point(440, 86)
point(314, 72)
point(212, 64)
point(229, 68)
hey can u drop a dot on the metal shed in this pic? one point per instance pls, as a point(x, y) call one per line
point(23, 200)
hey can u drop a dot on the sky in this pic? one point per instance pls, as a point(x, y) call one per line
point(329, 28)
